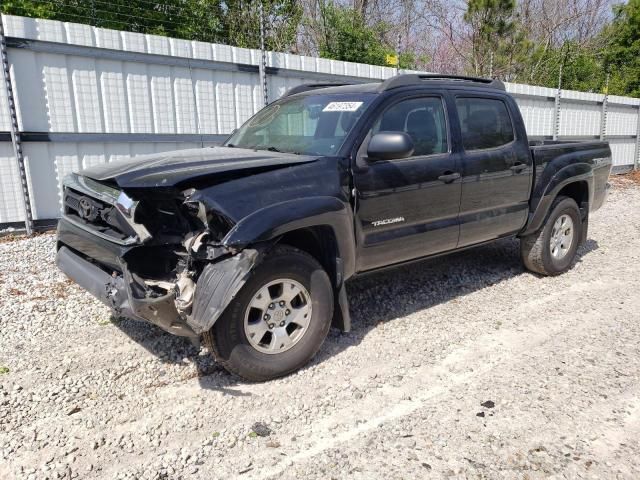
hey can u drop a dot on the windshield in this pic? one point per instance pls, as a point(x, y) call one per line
point(310, 124)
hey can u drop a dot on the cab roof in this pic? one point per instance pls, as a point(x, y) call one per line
point(397, 82)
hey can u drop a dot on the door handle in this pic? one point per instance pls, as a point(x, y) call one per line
point(449, 177)
point(518, 167)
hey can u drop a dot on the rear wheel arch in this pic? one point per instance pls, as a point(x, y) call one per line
point(579, 191)
point(535, 249)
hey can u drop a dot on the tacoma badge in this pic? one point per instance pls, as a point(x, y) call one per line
point(387, 221)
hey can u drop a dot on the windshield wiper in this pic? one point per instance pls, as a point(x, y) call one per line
point(262, 148)
point(274, 149)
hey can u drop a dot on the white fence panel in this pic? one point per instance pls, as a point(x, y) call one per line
point(33, 114)
point(5, 119)
point(113, 96)
point(579, 119)
point(11, 206)
point(622, 150)
point(580, 114)
point(538, 115)
point(621, 120)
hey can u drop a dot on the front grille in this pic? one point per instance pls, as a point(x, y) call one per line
point(96, 214)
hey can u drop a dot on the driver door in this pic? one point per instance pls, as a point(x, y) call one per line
point(408, 208)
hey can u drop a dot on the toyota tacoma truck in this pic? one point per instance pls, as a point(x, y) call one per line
point(248, 245)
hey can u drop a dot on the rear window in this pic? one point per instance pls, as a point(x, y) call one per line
point(485, 123)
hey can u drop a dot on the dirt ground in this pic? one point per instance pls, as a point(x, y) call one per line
point(460, 367)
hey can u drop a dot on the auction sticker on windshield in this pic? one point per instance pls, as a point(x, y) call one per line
point(342, 107)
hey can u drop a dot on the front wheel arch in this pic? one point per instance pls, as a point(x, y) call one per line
point(321, 216)
point(227, 338)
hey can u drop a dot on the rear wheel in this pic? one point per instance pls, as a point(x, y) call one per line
point(278, 320)
point(552, 249)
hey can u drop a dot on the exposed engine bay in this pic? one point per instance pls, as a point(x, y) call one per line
point(154, 277)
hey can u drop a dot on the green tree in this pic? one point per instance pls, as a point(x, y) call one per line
point(582, 67)
point(622, 55)
point(235, 22)
point(28, 8)
point(498, 43)
point(346, 36)
point(190, 19)
point(242, 23)
point(616, 50)
point(411, 61)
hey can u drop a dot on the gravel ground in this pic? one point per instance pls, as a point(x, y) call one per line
point(465, 367)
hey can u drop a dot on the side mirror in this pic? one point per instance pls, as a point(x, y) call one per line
point(390, 146)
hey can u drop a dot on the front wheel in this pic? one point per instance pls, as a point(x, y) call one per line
point(552, 249)
point(278, 320)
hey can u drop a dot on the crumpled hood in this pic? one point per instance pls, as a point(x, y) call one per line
point(168, 169)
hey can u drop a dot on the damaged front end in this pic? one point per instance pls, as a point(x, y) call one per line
point(144, 253)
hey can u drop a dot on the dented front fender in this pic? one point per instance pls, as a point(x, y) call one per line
point(273, 221)
point(217, 286)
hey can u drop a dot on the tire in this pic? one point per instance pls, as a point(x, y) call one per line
point(537, 250)
point(246, 358)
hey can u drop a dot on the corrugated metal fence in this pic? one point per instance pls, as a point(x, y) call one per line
point(87, 95)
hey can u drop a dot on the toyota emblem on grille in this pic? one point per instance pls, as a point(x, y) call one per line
point(86, 210)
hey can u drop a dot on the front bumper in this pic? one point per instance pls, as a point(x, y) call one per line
point(101, 267)
point(117, 291)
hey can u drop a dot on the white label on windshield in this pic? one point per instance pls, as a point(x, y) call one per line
point(342, 107)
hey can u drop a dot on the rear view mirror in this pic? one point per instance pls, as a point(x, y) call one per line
point(314, 111)
point(390, 146)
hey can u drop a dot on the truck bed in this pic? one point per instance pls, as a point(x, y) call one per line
point(555, 158)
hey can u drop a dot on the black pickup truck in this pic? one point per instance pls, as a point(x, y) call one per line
point(249, 245)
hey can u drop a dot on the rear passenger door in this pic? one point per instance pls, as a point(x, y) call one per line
point(496, 169)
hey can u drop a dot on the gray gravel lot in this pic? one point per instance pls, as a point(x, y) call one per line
point(464, 367)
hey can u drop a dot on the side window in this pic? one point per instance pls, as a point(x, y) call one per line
point(422, 119)
point(484, 122)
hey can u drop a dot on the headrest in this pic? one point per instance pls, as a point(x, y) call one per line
point(347, 120)
point(485, 121)
point(420, 121)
